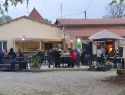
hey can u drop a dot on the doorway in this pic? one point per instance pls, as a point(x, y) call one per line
point(48, 46)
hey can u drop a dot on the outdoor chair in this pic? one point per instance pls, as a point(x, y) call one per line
point(21, 62)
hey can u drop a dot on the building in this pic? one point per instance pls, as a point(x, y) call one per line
point(30, 33)
point(77, 31)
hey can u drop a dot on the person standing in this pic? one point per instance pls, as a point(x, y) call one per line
point(99, 53)
point(83, 60)
point(78, 58)
point(50, 57)
point(1, 57)
point(103, 50)
point(73, 57)
point(12, 54)
point(56, 54)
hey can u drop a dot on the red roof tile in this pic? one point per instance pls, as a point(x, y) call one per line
point(107, 21)
point(85, 32)
point(35, 15)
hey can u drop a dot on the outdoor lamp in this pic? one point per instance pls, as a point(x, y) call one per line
point(78, 40)
point(23, 38)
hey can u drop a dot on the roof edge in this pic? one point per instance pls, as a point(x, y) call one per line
point(43, 22)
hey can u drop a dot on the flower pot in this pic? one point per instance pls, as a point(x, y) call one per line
point(35, 69)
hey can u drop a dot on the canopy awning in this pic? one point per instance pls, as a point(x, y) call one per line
point(105, 34)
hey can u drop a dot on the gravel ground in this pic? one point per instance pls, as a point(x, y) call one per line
point(57, 83)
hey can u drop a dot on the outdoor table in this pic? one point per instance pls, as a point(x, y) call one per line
point(21, 62)
point(65, 60)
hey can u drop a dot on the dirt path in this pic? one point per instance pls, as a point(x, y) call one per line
point(57, 83)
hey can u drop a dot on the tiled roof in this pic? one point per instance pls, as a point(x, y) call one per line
point(110, 21)
point(27, 17)
point(86, 32)
point(35, 15)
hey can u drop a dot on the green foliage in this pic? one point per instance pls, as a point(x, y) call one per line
point(116, 1)
point(121, 72)
point(5, 18)
point(35, 62)
point(6, 3)
point(116, 10)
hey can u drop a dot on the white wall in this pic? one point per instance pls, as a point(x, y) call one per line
point(29, 29)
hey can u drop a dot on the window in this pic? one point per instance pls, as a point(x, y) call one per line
point(0, 45)
point(3, 45)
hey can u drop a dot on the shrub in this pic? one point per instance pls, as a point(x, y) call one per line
point(35, 62)
point(121, 72)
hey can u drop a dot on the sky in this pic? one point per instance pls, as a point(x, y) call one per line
point(51, 9)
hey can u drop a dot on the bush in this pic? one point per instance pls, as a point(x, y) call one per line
point(35, 62)
point(121, 72)
point(92, 68)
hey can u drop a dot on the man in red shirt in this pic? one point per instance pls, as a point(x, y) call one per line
point(73, 57)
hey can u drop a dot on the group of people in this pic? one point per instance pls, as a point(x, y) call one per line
point(103, 55)
point(57, 57)
point(69, 57)
point(53, 56)
point(4, 54)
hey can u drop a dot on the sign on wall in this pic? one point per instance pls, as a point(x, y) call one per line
point(78, 46)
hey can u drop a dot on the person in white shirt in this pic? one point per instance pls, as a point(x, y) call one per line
point(98, 52)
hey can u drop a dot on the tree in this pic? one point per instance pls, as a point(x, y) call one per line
point(48, 21)
point(115, 1)
point(5, 18)
point(15, 2)
point(116, 10)
point(4, 4)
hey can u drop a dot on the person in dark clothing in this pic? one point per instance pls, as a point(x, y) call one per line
point(41, 55)
point(12, 54)
point(57, 58)
point(1, 56)
point(78, 58)
point(83, 60)
point(21, 60)
point(50, 57)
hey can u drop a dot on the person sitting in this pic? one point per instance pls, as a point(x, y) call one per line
point(19, 53)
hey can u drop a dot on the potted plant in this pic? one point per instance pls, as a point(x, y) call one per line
point(35, 64)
